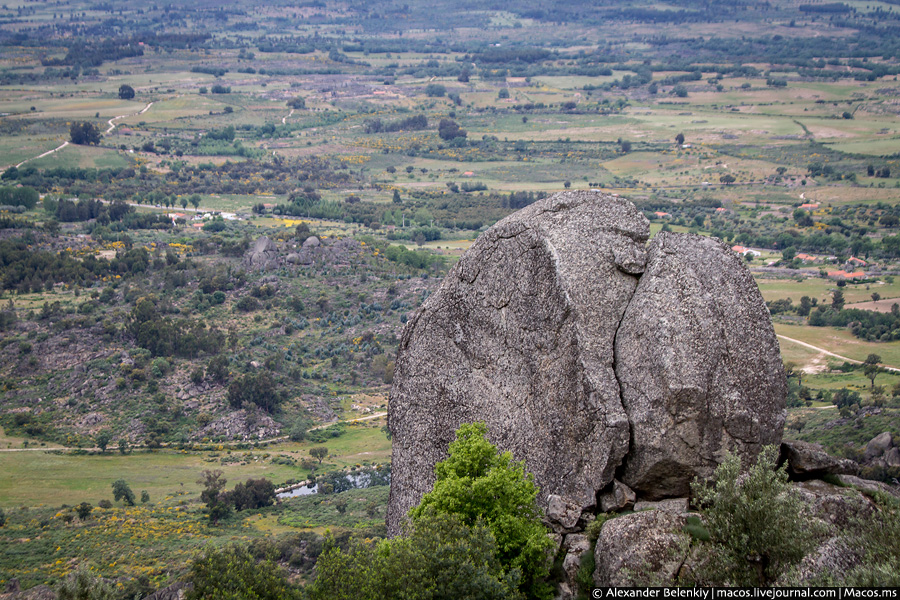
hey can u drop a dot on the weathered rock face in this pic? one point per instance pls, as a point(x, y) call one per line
point(698, 363)
point(548, 331)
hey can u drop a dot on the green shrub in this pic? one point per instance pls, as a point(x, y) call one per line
point(758, 527)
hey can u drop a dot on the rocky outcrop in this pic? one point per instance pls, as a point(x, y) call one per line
point(699, 366)
point(262, 255)
point(242, 424)
point(550, 330)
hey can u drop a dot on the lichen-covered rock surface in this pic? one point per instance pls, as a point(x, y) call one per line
point(544, 319)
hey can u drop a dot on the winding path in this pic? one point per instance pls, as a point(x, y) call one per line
point(112, 125)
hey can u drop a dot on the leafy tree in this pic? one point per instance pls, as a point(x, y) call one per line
point(2, 518)
point(319, 453)
point(84, 133)
point(448, 129)
point(679, 139)
point(871, 368)
point(121, 491)
point(478, 484)
point(299, 428)
point(232, 573)
point(837, 300)
point(757, 525)
point(435, 90)
point(254, 493)
point(213, 483)
point(258, 389)
point(145, 496)
point(845, 398)
point(84, 510)
point(103, 437)
point(126, 92)
point(83, 585)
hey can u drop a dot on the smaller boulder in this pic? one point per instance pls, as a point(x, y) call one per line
point(562, 515)
point(617, 497)
point(807, 461)
point(635, 549)
point(833, 504)
point(892, 457)
point(675, 506)
point(878, 445)
point(867, 485)
point(833, 558)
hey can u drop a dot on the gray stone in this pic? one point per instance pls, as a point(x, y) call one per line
point(561, 515)
point(520, 335)
point(262, 255)
point(642, 548)
point(892, 457)
point(699, 366)
point(675, 506)
point(878, 445)
point(867, 485)
point(833, 504)
point(618, 498)
point(588, 354)
point(833, 558)
point(807, 460)
point(311, 242)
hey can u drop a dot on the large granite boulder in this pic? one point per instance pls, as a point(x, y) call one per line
point(582, 364)
point(520, 335)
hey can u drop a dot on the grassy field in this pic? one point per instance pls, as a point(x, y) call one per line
point(842, 342)
point(38, 478)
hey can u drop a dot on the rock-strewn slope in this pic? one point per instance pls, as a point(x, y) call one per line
point(537, 325)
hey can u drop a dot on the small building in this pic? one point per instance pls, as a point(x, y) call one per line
point(810, 205)
point(807, 257)
point(844, 275)
point(662, 215)
point(858, 262)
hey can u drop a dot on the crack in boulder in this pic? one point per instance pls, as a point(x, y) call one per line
point(606, 358)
